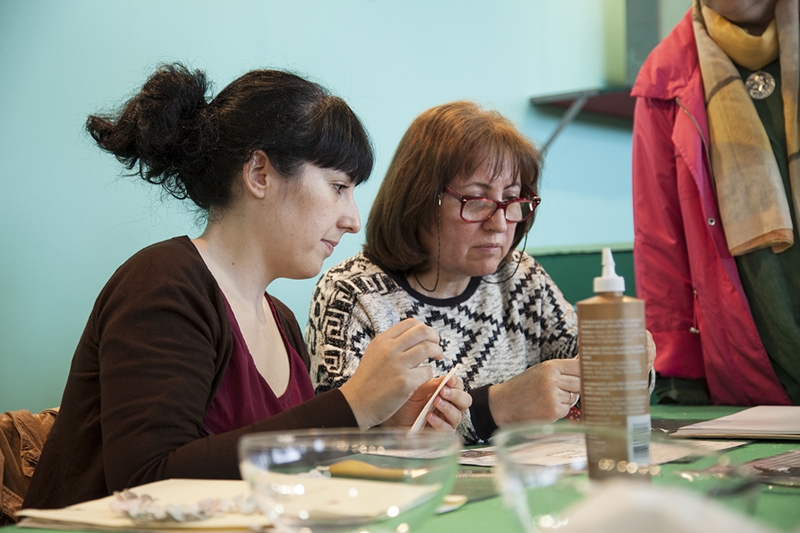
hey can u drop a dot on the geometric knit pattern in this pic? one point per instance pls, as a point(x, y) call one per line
point(493, 331)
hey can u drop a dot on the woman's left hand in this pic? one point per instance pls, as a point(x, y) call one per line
point(448, 407)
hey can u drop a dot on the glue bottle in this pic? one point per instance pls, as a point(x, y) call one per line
point(612, 345)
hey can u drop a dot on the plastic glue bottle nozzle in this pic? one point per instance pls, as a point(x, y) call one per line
point(609, 281)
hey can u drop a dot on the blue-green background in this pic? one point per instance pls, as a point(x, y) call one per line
point(68, 219)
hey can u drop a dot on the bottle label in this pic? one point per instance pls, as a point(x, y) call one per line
point(639, 439)
point(613, 360)
point(619, 453)
point(614, 387)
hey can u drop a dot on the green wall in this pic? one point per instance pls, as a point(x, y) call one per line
point(68, 220)
point(574, 270)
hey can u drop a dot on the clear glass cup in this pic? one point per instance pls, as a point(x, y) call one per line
point(543, 473)
point(331, 480)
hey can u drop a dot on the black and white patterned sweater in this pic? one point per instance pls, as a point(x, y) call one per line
point(493, 331)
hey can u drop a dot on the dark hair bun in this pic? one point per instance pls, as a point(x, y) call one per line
point(164, 129)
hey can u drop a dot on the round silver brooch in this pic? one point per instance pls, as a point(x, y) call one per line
point(760, 85)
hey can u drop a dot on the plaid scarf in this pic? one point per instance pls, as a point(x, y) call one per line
point(752, 201)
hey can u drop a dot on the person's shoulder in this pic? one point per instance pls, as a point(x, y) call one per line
point(519, 266)
point(174, 248)
point(175, 260)
point(167, 273)
point(532, 266)
point(535, 270)
point(671, 65)
point(522, 273)
point(352, 268)
point(358, 276)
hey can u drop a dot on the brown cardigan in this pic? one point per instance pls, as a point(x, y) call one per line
point(144, 373)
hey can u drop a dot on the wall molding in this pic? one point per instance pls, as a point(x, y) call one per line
point(579, 249)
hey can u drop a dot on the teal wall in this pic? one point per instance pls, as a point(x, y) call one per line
point(67, 218)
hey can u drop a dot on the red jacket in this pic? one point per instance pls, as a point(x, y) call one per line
point(695, 305)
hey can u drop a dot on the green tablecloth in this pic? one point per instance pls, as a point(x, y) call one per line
point(778, 507)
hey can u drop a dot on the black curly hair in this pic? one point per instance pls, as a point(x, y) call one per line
point(194, 148)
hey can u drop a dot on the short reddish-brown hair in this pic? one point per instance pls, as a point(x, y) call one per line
point(443, 143)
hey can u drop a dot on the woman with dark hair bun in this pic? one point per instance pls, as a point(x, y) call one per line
point(184, 351)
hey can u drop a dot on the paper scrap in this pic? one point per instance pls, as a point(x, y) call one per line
point(419, 423)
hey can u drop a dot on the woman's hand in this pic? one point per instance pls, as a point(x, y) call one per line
point(544, 392)
point(451, 402)
point(391, 370)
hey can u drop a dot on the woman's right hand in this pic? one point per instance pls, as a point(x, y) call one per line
point(453, 400)
point(390, 370)
point(540, 393)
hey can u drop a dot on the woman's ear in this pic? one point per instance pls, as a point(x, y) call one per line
point(257, 173)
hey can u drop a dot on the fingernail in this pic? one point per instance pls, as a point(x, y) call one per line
point(446, 392)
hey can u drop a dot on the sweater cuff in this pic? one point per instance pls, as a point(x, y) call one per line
point(482, 419)
point(332, 410)
point(328, 410)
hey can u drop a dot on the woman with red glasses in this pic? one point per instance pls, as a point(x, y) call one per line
point(458, 198)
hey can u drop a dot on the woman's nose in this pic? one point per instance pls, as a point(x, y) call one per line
point(497, 222)
point(351, 221)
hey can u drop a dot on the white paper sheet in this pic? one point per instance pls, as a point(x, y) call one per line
point(97, 514)
point(574, 450)
point(323, 499)
point(764, 421)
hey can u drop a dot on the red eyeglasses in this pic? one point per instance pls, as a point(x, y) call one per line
point(480, 209)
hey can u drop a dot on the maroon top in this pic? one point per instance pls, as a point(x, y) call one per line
point(244, 396)
point(146, 370)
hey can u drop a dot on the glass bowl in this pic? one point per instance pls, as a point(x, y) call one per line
point(330, 480)
point(548, 473)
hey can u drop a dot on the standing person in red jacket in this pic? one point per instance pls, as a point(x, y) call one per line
point(716, 190)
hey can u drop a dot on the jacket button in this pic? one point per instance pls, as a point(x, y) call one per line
point(694, 330)
point(711, 221)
